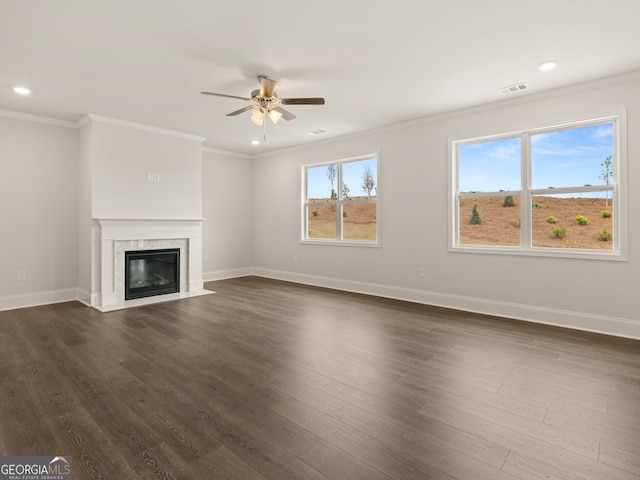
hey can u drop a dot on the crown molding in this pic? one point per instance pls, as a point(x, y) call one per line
point(92, 117)
point(229, 153)
point(37, 118)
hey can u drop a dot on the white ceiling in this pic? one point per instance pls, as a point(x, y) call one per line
point(376, 62)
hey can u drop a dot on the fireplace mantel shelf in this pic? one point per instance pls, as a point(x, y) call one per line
point(104, 221)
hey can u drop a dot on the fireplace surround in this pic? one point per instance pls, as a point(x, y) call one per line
point(114, 237)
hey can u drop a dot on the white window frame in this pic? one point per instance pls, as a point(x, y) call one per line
point(618, 187)
point(339, 202)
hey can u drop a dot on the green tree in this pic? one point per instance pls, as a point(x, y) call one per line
point(475, 216)
point(345, 190)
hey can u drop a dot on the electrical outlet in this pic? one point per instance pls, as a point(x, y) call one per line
point(22, 275)
point(421, 272)
point(205, 258)
point(295, 259)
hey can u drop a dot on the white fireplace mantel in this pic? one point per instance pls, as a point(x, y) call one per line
point(114, 236)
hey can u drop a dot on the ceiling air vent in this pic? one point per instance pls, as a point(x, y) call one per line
point(319, 131)
point(512, 89)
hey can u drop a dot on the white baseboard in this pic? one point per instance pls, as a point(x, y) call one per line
point(85, 297)
point(620, 327)
point(12, 302)
point(224, 274)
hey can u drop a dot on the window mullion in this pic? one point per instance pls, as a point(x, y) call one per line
point(339, 204)
point(526, 229)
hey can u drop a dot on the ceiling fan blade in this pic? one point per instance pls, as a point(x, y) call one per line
point(238, 112)
point(267, 86)
point(286, 115)
point(226, 96)
point(302, 101)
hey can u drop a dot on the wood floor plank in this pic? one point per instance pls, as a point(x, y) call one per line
point(526, 468)
point(549, 375)
point(389, 460)
point(573, 380)
point(608, 430)
point(339, 409)
point(454, 392)
point(622, 459)
point(581, 398)
point(430, 401)
point(493, 434)
point(211, 419)
point(464, 440)
point(462, 375)
point(246, 404)
point(338, 465)
point(566, 405)
point(270, 380)
point(177, 428)
point(162, 462)
point(441, 456)
point(624, 405)
point(222, 464)
point(95, 456)
point(17, 403)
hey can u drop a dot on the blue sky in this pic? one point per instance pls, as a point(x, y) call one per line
point(562, 158)
point(319, 186)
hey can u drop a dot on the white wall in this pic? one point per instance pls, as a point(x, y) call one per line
point(87, 278)
point(227, 229)
point(588, 294)
point(122, 156)
point(38, 211)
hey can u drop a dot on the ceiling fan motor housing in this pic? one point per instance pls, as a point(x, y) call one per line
point(255, 95)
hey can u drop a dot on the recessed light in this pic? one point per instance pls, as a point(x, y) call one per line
point(22, 90)
point(548, 65)
point(255, 142)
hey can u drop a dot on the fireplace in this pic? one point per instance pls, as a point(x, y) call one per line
point(151, 272)
point(114, 237)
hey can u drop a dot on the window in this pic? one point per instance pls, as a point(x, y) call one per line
point(551, 191)
point(341, 201)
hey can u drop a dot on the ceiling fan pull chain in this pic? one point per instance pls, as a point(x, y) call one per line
point(264, 123)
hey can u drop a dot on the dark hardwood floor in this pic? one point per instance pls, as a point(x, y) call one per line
point(273, 380)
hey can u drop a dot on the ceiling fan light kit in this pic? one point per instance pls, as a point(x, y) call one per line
point(266, 103)
point(275, 115)
point(257, 116)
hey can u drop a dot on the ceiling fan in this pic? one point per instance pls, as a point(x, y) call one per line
point(265, 103)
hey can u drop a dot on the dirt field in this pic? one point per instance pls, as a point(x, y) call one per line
point(500, 225)
point(360, 222)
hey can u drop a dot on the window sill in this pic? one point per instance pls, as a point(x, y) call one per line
point(539, 252)
point(340, 243)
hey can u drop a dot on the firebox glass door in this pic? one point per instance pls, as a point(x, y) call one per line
point(153, 272)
